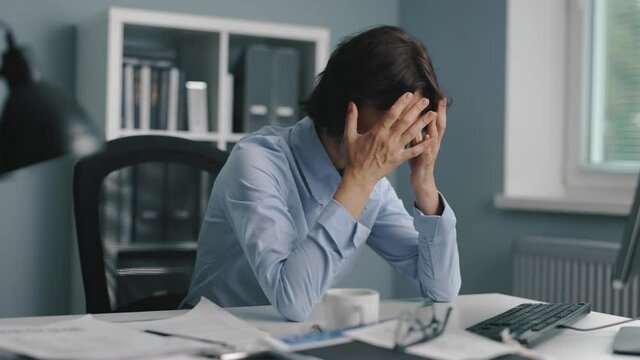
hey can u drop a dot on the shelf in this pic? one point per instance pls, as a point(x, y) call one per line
point(211, 137)
point(206, 49)
point(129, 59)
point(113, 247)
point(154, 271)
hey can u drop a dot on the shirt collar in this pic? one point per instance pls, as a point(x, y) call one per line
point(320, 174)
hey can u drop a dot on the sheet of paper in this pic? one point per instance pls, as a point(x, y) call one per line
point(208, 321)
point(452, 345)
point(90, 339)
point(460, 345)
point(381, 334)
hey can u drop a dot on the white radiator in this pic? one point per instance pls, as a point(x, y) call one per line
point(569, 270)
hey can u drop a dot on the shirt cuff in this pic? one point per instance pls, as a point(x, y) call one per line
point(434, 227)
point(345, 232)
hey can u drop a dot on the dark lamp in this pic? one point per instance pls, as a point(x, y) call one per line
point(39, 122)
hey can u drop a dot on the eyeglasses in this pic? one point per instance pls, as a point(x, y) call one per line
point(419, 325)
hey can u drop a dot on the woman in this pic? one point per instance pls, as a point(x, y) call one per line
point(293, 207)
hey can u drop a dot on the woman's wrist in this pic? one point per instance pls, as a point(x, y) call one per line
point(359, 178)
point(427, 197)
point(353, 193)
point(429, 204)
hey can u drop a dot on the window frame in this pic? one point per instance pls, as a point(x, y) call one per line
point(546, 172)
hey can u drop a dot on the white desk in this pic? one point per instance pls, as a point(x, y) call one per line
point(468, 310)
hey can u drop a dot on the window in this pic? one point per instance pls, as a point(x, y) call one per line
point(572, 113)
point(614, 112)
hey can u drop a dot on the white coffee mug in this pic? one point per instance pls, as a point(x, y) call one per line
point(350, 307)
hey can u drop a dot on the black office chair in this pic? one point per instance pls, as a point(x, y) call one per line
point(138, 205)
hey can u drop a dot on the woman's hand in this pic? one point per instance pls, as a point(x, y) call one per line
point(423, 166)
point(374, 154)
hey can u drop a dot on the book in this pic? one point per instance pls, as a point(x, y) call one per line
point(173, 98)
point(145, 97)
point(227, 116)
point(163, 112)
point(128, 96)
point(136, 96)
point(123, 97)
point(183, 123)
point(156, 91)
point(154, 97)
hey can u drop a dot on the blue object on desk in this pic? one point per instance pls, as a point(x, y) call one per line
point(319, 337)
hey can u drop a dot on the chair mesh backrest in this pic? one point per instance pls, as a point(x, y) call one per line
point(150, 215)
point(138, 206)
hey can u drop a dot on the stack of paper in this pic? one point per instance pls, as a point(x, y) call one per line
point(89, 338)
point(207, 321)
point(206, 328)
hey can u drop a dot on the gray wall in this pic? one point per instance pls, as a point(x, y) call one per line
point(35, 204)
point(467, 42)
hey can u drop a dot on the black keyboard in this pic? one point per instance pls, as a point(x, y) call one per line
point(532, 323)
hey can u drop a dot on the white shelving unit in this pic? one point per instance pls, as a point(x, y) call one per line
point(204, 45)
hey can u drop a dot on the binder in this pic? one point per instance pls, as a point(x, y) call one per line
point(148, 203)
point(285, 87)
point(110, 208)
point(252, 89)
point(206, 186)
point(182, 203)
point(126, 192)
point(267, 85)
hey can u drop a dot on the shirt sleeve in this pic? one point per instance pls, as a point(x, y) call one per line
point(293, 269)
point(423, 248)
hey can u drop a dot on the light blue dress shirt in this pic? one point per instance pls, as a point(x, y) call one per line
point(272, 232)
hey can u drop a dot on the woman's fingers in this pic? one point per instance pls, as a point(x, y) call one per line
point(415, 130)
point(396, 110)
point(432, 128)
point(410, 117)
point(416, 150)
point(442, 116)
point(417, 139)
point(351, 122)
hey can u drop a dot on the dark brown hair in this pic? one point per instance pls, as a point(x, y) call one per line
point(374, 67)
